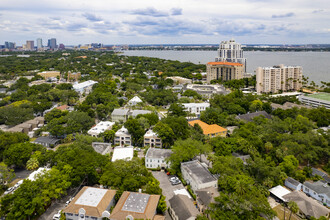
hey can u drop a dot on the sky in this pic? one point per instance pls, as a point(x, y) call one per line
point(75, 22)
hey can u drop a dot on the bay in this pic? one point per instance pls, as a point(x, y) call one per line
point(316, 65)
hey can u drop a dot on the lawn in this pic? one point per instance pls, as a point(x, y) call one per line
point(280, 213)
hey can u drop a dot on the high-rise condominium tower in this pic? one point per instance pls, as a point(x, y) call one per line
point(39, 43)
point(30, 45)
point(230, 51)
point(278, 78)
point(52, 43)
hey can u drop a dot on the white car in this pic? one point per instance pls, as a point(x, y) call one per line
point(57, 216)
point(68, 202)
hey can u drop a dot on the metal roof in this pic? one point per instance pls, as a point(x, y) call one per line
point(198, 172)
point(91, 197)
point(136, 202)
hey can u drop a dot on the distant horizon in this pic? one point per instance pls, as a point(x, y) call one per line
point(177, 44)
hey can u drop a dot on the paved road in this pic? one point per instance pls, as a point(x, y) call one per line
point(22, 174)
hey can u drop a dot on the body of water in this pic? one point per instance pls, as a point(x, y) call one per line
point(316, 65)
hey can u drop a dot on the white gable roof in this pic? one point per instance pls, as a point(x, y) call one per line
point(135, 99)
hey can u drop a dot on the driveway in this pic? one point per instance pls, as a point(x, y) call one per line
point(22, 174)
point(56, 206)
point(166, 186)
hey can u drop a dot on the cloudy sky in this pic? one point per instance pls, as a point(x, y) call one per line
point(165, 21)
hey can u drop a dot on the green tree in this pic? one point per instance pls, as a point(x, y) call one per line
point(177, 110)
point(165, 132)
point(32, 164)
point(289, 165)
point(6, 174)
point(183, 150)
point(136, 130)
point(293, 208)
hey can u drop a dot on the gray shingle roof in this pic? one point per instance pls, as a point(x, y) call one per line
point(324, 175)
point(183, 207)
point(207, 195)
point(120, 111)
point(307, 205)
point(320, 187)
point(134, 113)
point(293, 181)
point(48, 140)
point(158, 153)
point(250, 116)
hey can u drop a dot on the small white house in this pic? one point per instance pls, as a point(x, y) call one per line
point(123, 137)
point(292, 184)
point(122, 153)
point(156, 158)
point(100, 128)
point(134, 101)
point(196, 108)
point(197, 175)
point(319, 190)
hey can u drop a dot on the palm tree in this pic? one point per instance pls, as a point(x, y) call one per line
point(293, 208)
point(32, 164)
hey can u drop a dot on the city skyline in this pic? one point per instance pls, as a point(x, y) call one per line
point(166, 22)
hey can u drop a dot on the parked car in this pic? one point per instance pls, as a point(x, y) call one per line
point(68, 202)
point(57, 216)
point(175, 182)
point(174, 178)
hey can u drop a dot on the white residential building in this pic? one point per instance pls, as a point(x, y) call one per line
point(134, 101)
point(231, 51)
point(197, 175)
point(123, 137)
point(122, 153)
point(84, 87)
point(100, 128)
point(319, 190)
point(293, 184)
point(90, 203)
point(196, 108)
point(122, 114)
point(156, 158)
point(151, 139)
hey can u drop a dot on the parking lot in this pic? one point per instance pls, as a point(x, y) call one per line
point(167, 187)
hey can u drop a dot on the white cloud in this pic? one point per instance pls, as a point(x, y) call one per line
point(165, 21)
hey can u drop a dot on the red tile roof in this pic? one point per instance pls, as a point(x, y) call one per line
point(207, 129)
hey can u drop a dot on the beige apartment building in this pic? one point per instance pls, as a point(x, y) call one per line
point(278, 78)
point(224, 71)
point(49, 74)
